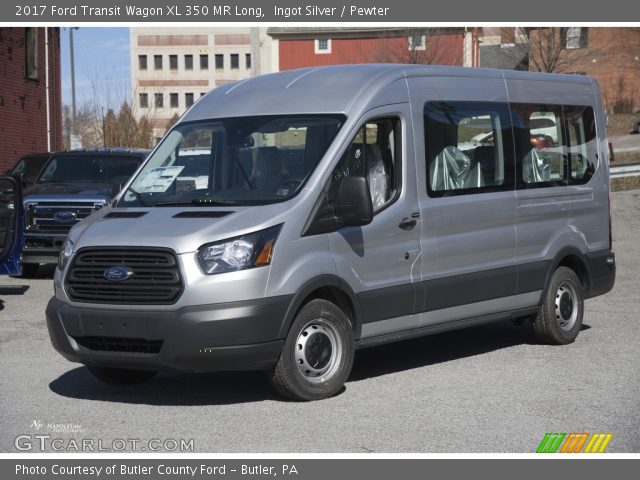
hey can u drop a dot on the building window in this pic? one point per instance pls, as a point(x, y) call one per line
point(157, 62)
point(173, 62)
point(219, 61)
point(188, 99)
point(144, 100)
point(204, 62)
point(574, 37)
point(202, 94)
point(247, 61)
point(323, 45)
point(188, 62)
point(173, 100)
point(159, 100)
point(235, 61)
point(142, 62)
point(417, 41)
point(31, 53)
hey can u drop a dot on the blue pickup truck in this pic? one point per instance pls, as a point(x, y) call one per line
point(70, 186)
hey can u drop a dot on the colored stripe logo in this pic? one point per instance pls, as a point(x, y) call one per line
point(574, 442)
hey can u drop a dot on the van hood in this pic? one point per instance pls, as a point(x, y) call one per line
point(181, 229)
point(92, 190)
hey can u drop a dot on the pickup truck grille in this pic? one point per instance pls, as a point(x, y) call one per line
point(155, 276)
point(57, 217)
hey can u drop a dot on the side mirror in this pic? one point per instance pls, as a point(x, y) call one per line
point(353, 205)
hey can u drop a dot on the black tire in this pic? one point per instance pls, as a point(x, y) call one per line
point(317, 355)
point(30, 269)
point(559, 318)
point(121, 376)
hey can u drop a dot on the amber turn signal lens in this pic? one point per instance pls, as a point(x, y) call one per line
point(265, 254)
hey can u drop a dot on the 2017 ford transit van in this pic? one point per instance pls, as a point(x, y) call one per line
point(290, 219)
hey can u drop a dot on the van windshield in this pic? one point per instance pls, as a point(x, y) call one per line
point(235, 161)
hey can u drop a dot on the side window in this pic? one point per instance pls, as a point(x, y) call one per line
point(581, 133)
point(375, 152)
point(466, 144)
point(540, 150)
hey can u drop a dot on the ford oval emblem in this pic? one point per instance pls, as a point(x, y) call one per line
point(64, 217)
point(117, 274)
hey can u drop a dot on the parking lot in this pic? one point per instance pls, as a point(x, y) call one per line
point(486, 389)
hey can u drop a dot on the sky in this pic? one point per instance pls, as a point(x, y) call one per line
point(101, 65)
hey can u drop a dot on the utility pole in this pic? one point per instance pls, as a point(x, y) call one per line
point(74, 130)
point(254, 35)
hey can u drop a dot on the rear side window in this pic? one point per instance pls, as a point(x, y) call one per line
point(555, 144)
point(581, 134)
point(469, 147)
point(540, 145)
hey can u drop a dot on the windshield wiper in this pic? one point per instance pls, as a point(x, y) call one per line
point(139, 197)
point(196, 201)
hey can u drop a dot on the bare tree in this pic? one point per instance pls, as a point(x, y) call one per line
point(432, 46)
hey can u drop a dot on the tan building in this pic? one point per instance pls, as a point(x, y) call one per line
point(172, 67)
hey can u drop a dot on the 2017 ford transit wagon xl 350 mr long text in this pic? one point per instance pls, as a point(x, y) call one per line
point(290, 219)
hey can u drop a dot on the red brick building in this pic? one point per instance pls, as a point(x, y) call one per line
point(609, 54)
point(23, 93)
point(305, 47)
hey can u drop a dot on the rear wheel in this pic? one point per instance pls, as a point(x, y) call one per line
point(560, 316)
point(317, 356)
point(121, 376)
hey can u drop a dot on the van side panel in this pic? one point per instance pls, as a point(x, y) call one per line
point(468, 241)
point(553, 221)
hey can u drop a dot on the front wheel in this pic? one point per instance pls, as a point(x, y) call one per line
point(121, 376)
point(560, 316)
point(317, 356)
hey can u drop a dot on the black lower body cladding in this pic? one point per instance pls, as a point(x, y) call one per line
point(226, 336)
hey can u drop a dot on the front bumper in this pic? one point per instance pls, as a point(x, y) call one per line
point(241, 335)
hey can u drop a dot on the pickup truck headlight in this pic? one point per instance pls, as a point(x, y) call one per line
point(65, 253)
point(239, 253)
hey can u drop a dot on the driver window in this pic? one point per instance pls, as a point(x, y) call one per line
point(374, 153)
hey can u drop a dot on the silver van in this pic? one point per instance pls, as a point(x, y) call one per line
point(290, 219)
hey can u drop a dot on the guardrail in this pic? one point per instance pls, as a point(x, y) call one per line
point(625, 170)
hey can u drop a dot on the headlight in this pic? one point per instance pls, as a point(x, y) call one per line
point(65, 253)
point(240, 253)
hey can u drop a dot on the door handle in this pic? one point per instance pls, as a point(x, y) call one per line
point(407, 223)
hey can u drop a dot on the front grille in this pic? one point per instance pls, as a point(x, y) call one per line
point(155, 276)
point(120, 344)
point(57, 217)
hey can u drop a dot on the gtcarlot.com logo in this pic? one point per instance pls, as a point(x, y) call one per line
point(574, 443)
point(45, 443)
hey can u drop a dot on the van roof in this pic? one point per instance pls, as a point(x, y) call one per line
point(333, 89)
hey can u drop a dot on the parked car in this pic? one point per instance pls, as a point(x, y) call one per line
point(29, 167)
point(378, 228)
point(70, 187)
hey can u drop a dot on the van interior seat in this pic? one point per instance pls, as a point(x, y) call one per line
point(453, 169)
point(535, 167)
point(268, 170)
point(377, 175)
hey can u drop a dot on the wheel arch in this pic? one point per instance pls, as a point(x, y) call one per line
point(327, 287)
point(573, 258)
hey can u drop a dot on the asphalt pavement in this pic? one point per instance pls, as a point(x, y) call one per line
point(485, 389)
